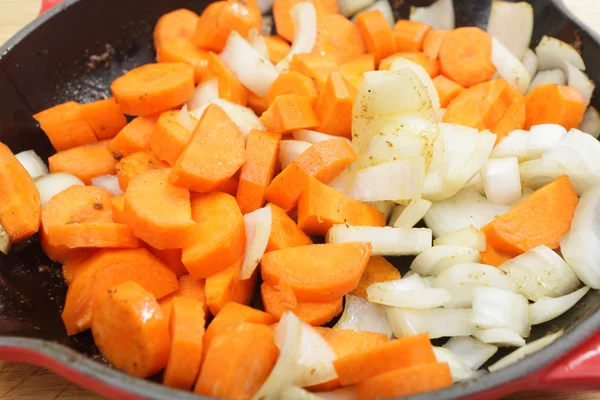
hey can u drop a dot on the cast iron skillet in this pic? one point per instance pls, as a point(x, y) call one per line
point(50, 62)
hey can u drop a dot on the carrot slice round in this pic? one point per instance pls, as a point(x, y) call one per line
point(176, 24)
point(338, 37)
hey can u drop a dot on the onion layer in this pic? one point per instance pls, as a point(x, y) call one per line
point(437, 259)
point(304, 17)
point(508, 66)
point(524, 351)
point(362, 315)
point(410, 215)
point(440, 15)
point(108, 182)
point(306, 135)
point(204, 94)
point(552, 53)
point(591, 122)
point(290, 150)
point(438, 322)
point(499, 308)
point(258, 230)
point(555, 76)
point(472, 351)
point(459, 370)
point(386, 241)
point(411, 292)
point(499, 337)
point(548, 308)
point(466, 237)
point(512, 24)
point(501, 180)
point(34, 165)
point(52, 184)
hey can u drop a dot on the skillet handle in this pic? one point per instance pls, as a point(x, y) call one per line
point(48, 4)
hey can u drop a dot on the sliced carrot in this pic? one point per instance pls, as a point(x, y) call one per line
point(105, 118)
point(323, 161)
point(230, 88)
point(231, 186)
point(105, 270)
point(137, 164)
point(410, 35)
point(378, 270)
point(338, 37)
point(466, 56)
point(81, 216)
point(278, 48)
point(238, 362)
point(56, 253)
point(117, 207)
point(334, 107)
point(153, 88)
point(284, 231)
point(76, 258)
point(377, 34)
point(169, 138)
point(189, 288)
point(320, 207)
point(433, 42)
point(219, 238)
point(66, 126)
point(85, 162)
point(447, 89)
point(183, 50)
point(491, 256)
point(213, 155)
point(157, 211)
point(288, 113)
point(316, 66)
point(226, 286)
point(307, 269)
point(554, 104)
point(312, 313)
point(257, 104)
point(180, 23)
point(514, 117)
point(172, 258)
point(542, 218)
point(283, 17)
point(292, 82)
point(133, 138)
point(431, 66)
point(20, 208)
point(186, 327)
point(130, 330)
point(355, 68)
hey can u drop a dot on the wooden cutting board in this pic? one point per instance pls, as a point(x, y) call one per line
point(27, 382)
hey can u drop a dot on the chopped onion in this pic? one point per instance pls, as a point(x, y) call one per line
point(512, 145)
point(385, 207)
point(552, 53)
point(501, 180)
point(458, 368)
point(530, 62)
point(254, 71)
point(462, 279)
point(304, 17)
point(476, 183)
point(555, 76)
point(313, 137)
point(440, 115)
point(578, 80)
point(108, 182)
point(411, 292)
point(315, 358)
point(499, 337)
point(290, 150)
point(258, 230)
point(386, 241)
point(265, 6)
point(406, 143)
point(548, 308)
point(362, 315)
point(512, 24)
point(383, 6)
point(54, 183)
point(258, 43)
point(349, 7)
point(411, 214)
point(436, 259)
point(537, 173)
point(404, 63)
point(245, 119)
point(591, 122)
point(204, 94)
point(508, 65)
point(297, 393)
point(440, 15)
point(499, 308)
point(471, 351)
point(184, 119)
point(4, 240)
point(438, 322)
point(543, 137)
point(466, 237)
point(34, 165)
point(524, 351)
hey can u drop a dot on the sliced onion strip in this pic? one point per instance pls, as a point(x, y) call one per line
point(304, 17)
point(108, 182)
point(512, 24)
point(290, 150)
point(459, 370)
point(524, 351)
point(440, 15)
point(34, 165)
point(548, 308)
point(509, 67)
point(437, 259)
point(438, 322)
point(472, 351)
point(466, 237)
point(386, 241)
point(411, 292)
point(362, 315)
point(54, 183)
point(258, 230)
point(499, 308)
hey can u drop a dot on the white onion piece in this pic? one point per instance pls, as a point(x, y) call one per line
point(459, 370)
point(476, 183)
point(349, 7)
point(290, 150)
point(500, 337)
point(524, 351)
point(591, 122)
point(530, 62)
point(411, 292)
point(471, 351)
point(315, 357)
point(438, 322)
point(258, 43)
point(437, 259)
point(466, 237)
point(345, 393)
point(383, 6)
point(459, 144)
point(108, 182)
point(578, 80)
point(512, 24)
point(499, 308)
point(245, 119)
point(306, 135)
point(555, 76)
point(462, 279)
point(412, 214)
point(403, 63)
point(552, 53)
point(512, 145)
point(508, 65)
point(258, 230)
point(548, 308)
point(184, 119)
point(543, 137)
point(54, 183)
point(501, 180)
point(253, 70)
point(204, 94)
point(4, 240)
point(297, 393)
point(385, 207)
point(34, 165)
point(537, 173)
point(440, 15)
point(386, 241)
point(304, 17)
point(362, 315)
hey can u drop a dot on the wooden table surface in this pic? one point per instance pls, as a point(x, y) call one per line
point(26, 382)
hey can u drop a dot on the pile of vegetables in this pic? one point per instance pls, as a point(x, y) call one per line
point(302, 166)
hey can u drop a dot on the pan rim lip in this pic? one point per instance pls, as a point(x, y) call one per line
point(79, 362)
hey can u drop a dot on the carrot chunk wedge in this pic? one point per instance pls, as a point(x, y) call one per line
point(117, 206)
point(105, 118)
point(354, 69)
point(315, 66)
point(554, 104)
point(378, 270)
point(338, 37)
point(226, 286)
point(292, 82)
point(190, 288)
point(180, 23)
point(85, 162)
point(514, 117)
point(410, 35)
point(277, 47)
point(284, 231)
point(66, 126)
point(76, 258)
point(447, 89)
point(133, 138)
point(172, 258)
point(169, 138)
point(137, 164)
point(283, 17)
point(431, 66)
point(288, 113)
point(334, 106)
point(378, 36)
point(182, 50)
point(433, 42)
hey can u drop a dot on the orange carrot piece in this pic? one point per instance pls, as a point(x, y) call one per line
point(153, 88)
point(257, 104)
point(213, 155)
point(180, 23)
point(219, 238)
point(238, 362)
point(355, 68)
point(85, 162)
point(262, 152)
point(189, 288)
point(491, 256)
point(230, 88)
point(66, 126)
point(284, 231)
point(554, 104)
point(137, 164)
point(130, 330)
point(186, 327)
point(283, 17)
point(56, 253)
point(169, 138)
point(323, 161)
point(306, 269)
point(447, 89)
point(550, 207)
point(433, 42)
point(76, 258)
point(107, 269)
point(431, 66)
point(105, 118)
point(377, 34)
point(226, 286)
point(117, 207)
point(133, 138)
point(230, 187)
point(316, 66)
point(172, 258)
point(466, 56)
point(183, 50)
point(320, 207)
point(410, 35)
point(288, 113)
point(338, 37)
point(514, 117)
point(20, 208)
point(378, 270)
point(278, 48)
point(334, 107)
point(312, 313)
point(157, 211)
point(292, 82)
